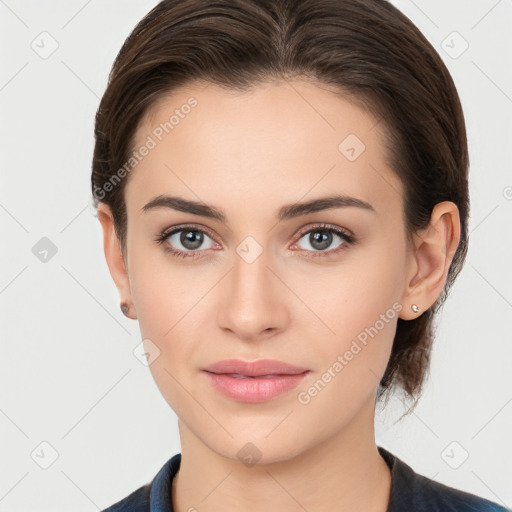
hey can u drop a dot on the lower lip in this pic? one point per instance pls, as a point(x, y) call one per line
point(254, 390)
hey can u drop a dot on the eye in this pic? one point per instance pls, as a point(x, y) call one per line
point(186, 241)
point(189, 241)
point(323, 237)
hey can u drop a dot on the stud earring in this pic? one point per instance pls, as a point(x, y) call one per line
point(415, 308)
point(125, 308)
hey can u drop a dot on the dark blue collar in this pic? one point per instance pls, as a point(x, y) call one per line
point(410, 492)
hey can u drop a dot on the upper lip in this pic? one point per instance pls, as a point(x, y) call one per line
point(255, 368)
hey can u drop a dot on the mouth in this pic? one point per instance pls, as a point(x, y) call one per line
point(264, 368)
point(253, 389)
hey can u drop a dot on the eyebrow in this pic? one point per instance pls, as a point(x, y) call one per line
point(285, 212)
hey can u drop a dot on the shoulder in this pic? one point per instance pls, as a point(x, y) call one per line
point(155, 495)
point(137, 501)
point(411, 491)
point(433, 495)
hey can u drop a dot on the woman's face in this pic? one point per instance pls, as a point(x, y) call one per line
point(269, 280)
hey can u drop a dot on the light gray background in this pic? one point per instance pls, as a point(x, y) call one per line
point(68, 376)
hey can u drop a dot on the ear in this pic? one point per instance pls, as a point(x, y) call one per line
point(114, 256)
point(431, 256)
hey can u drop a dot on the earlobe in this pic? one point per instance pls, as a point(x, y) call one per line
point(114, 258)
point(435, 247)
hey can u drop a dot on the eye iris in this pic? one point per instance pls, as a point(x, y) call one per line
point(191, 239)
point(322, 238)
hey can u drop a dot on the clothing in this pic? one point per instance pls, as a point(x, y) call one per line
point(410, 492)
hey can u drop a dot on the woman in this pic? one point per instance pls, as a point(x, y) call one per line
point(282, 187)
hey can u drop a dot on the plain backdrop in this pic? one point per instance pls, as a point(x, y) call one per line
point(82, 423)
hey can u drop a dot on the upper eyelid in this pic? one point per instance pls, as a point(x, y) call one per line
point(327, 227)
point(177, 229)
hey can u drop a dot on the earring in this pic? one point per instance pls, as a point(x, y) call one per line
point(125, 308)
point(415, 308)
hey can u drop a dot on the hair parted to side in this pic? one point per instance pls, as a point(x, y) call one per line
point(366, 49)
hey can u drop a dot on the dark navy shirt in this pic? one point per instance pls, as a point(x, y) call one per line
point(410, 492)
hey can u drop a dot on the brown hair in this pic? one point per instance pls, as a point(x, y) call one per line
point(367, 49)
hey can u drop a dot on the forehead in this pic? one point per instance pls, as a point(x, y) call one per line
point(293, 136)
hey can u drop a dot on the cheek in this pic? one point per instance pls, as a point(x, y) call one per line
point(352, 359)
point(165, 302)
point(353, 296)
point(159, 291)
point(169, 302)
point(356, 310)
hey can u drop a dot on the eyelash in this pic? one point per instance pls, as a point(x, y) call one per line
point(344, 234)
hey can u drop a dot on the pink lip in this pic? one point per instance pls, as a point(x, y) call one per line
point(267, 379)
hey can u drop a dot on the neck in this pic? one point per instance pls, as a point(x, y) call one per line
point(344, 472)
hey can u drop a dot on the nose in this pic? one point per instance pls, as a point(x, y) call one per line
point(254, 301)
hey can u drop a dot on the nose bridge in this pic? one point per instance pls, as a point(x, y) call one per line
point(251, 275)
point(254, 303)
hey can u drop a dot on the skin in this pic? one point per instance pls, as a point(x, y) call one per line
point(248, 154)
